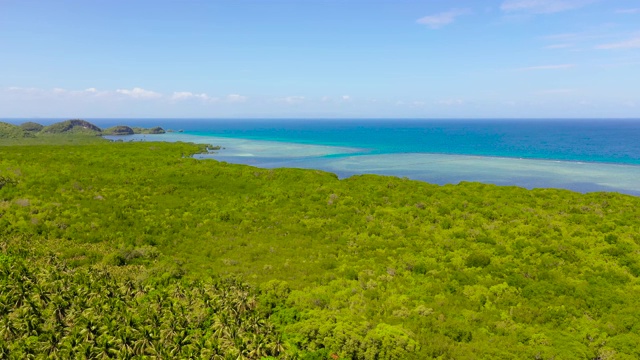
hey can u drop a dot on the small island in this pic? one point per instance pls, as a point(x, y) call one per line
point(153, 131)
point(70, 127)
point(75, 126)
point(118, 130)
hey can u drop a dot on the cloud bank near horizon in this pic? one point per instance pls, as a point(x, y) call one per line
point(462, 58)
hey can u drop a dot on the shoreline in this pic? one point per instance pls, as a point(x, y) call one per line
point(354, 151)
point(441, 169)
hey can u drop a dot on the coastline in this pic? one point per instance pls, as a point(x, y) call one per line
point(438, 169)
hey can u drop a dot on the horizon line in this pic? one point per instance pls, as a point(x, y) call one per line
point(320, 118)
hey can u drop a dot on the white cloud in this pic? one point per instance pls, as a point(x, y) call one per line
point(57, 92)
point(437, 21)
point(135, 93)
point(346, 98)
point(235, 98)
point(292, 99)
point(186, 95)
point(22, 90)
point(411, 104)
point(542, 6)
point(111, 101)
point(548, 67)
point(89, 92)
point(629, 44)
point(139, 93)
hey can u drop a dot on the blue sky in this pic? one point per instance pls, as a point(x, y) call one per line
point(320, 58)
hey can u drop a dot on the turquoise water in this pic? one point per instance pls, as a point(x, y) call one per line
point(579, 155)
point(611, 141)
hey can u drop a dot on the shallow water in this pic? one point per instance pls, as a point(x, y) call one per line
point(433, 168)
point(591, 140)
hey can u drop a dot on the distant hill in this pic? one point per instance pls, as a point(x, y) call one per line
point(10, 131)
point(31, 127)
point(75, 126)
point(153, 130)
point(118, 130)
point(68, 127)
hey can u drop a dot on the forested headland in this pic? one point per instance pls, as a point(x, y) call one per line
point(135, 250)
point(68, 131)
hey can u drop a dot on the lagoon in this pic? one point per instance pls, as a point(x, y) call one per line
point(437, 168)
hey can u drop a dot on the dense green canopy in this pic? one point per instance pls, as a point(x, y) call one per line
point(10, 131)
point(72, 126)
point(31, 126)
point(369, 267)
point(74, 131)
point(153, 130)
point(118, 130)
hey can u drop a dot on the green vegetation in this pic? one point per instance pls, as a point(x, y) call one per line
point(118, 130)
point(64, 132)
point(368, 267)
point(153, 130)
point(72, 127)
point(31, 127)
point(9, 131)
point(54, 311)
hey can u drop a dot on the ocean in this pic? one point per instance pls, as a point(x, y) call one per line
point(582, 155)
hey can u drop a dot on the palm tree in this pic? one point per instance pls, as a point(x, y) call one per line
point(277, 345)
point(53, 338)
point(8, 330)
point(107, 346)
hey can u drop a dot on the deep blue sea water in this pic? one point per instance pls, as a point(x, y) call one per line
point(610, 141)
point(581, 155)
point(586, 140)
